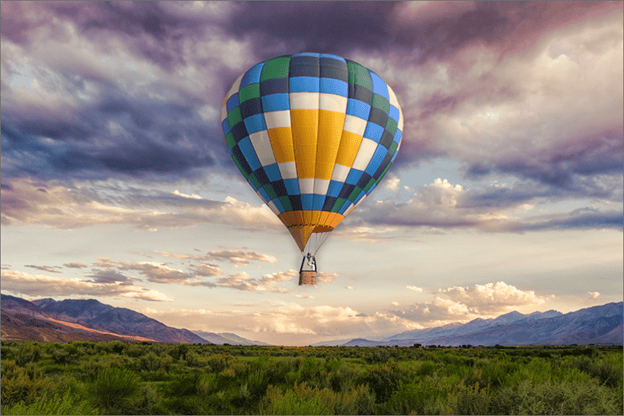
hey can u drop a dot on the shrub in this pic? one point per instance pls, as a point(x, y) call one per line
point(28, 354)
point(113, 387)
point(302, 400)
point(218, 362)
point(357, 401)
point(146, 402)
point(179, 351)
point(555, 398)
point(184, 385)
point(426, 368)
point(384, 379)
point(65, 405)
point(609, 374)
point(17, 386)
point(470, 400)
point(412, 397)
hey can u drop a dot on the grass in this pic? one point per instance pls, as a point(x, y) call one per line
point(117, 378)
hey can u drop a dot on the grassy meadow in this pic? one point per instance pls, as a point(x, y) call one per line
point(119, 378)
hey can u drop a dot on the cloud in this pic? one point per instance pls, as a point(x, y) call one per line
point(414, 288)
point(105, 98)
point(49, 269)
point(493, 208)
point(492, 297)
point(239, 256)
point(95, 92)
point(245, 282)
point(205, 269)
point(232, 256)
point(594, 295)
point(69, 208)
point(74, 265)
point(325, 277)
point(292, 323)
point(349, 287)
point(463, 304)
point(34, 285)
point(305, 297)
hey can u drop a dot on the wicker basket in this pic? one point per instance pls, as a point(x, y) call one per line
point(307, 277)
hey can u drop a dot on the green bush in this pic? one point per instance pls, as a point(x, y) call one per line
point(113, 387)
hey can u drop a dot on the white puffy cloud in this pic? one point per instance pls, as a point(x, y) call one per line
point(492, 297)
point(34, 285)
point(594, 295)
point(414, 288)
point(462, 304)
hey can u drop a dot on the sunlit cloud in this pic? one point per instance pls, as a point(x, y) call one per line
point(466, 303)
point(492, 298)
point(26, 284)
point(292, 319)
point(414, 288)
point(594, 295)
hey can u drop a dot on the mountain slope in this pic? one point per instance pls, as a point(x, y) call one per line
point(119, 320)
point(25, 321)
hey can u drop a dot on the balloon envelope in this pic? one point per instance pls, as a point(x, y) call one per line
point(313, 134)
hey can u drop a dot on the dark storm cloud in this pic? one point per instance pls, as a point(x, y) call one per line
point(291, 27)
point(153, 30)
point(415, 31)
point(103, 90)
point(579, 219)
point(157, 129)
point(568, 165)
point(153, 137)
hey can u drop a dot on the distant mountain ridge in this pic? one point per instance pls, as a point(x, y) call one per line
point(227, 338)
point(472, 326)
point(121, 321)
point(594, 325)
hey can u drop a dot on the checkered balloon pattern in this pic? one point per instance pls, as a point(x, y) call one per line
point(313, 134)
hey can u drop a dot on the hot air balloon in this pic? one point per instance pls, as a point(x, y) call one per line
point(313, 134)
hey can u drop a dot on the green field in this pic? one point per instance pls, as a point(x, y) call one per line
point(118, 378)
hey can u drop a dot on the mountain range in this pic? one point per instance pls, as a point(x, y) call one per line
point(90, 320)
point(595, 325)
point(48, 320)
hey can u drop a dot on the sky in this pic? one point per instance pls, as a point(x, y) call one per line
point(506, 194)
